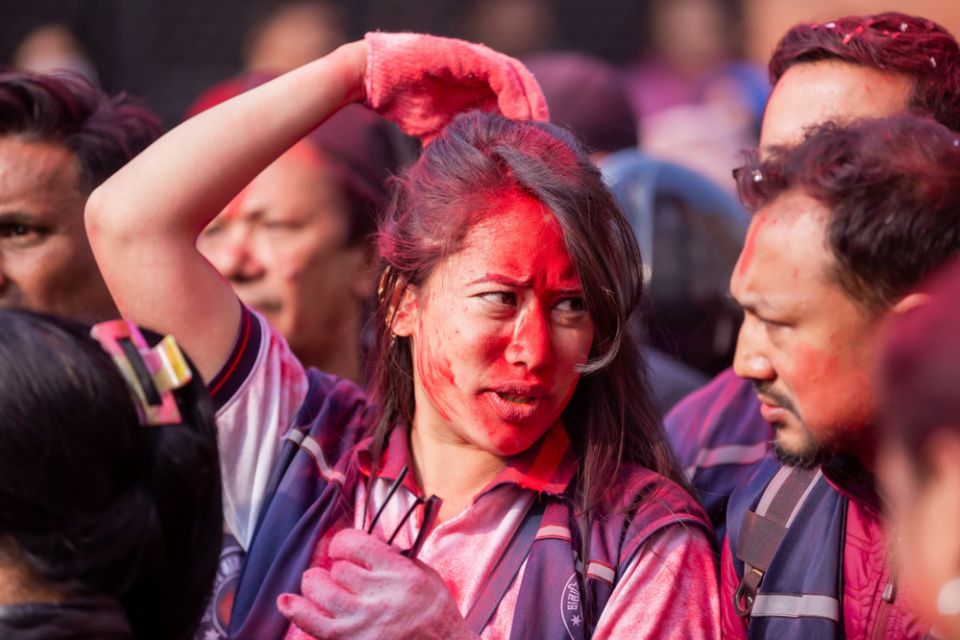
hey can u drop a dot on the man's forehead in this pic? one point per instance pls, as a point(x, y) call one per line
point(786, 246)
point(811, 93)
point(30, 169)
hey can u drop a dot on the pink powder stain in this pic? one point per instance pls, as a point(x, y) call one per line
point(436, 374)
point(834, 391)
point(749, 245)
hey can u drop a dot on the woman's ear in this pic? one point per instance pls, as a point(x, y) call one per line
point(406, 311)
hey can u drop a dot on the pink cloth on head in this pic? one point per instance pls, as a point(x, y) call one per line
point(421, 82)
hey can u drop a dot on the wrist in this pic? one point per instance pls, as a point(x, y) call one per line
point(352, 59)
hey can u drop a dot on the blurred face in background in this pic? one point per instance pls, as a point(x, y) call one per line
point(921, 491)
point(283, 245)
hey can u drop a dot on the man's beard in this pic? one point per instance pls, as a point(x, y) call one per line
point(812, 454)
point(811, 457)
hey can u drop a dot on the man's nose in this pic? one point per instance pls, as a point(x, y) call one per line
point(750, 361)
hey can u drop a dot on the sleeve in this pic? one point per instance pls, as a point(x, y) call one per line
point(256, 395)
point(732, 625)
point(669, 590)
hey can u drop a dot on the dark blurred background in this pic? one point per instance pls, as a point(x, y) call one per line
point(168, 51)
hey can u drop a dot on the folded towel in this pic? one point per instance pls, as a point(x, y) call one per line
point(421, 82)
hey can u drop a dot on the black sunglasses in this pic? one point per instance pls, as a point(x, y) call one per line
point(431, 508)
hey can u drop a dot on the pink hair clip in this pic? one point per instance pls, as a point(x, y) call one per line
point(151, 373)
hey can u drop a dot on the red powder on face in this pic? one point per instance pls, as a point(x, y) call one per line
point(435, 374)
point(500, 332)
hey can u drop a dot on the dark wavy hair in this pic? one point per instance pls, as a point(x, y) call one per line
point(891, 42)
point(103, 132)
point(892, 187)
point(93, 503)
point(611, 418)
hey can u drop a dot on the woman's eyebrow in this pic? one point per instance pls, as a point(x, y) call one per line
point(500, 278)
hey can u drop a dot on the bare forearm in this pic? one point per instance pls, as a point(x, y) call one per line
point(184, 179)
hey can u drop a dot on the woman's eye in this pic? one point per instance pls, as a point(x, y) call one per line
point(505, 298)
point(572, 304)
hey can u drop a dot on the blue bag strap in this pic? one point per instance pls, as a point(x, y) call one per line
point(508, 566)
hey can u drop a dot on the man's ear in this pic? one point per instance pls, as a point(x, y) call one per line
point(406, 312)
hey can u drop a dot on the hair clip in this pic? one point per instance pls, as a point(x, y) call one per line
point(151, 373)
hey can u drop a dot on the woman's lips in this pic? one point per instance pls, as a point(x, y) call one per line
point(514, 406)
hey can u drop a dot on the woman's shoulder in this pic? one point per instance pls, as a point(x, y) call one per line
point(650, 503)
point(334, 409)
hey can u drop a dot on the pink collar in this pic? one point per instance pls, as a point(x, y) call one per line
point(546, 467)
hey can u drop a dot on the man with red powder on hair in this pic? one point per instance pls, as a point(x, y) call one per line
point(845, 225)
point(849, 68)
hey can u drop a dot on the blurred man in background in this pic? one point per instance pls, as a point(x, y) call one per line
point(298, 243)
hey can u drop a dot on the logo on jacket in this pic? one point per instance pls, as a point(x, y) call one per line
point(570, 608)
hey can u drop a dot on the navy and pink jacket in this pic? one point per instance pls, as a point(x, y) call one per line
point(830, 576)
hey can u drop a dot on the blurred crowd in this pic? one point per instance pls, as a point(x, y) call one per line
point(798, 333)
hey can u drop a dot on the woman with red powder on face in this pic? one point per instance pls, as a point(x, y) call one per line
point(506, 388)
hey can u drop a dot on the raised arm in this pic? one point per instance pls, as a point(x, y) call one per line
point(144, 221)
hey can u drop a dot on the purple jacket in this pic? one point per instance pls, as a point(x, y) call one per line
point(718, 435)
point(314, 495)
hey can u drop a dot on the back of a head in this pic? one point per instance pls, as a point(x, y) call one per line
point(920, 370)
point(103, 132)
point(891, 42)
point(892, 187)
point(92, 504)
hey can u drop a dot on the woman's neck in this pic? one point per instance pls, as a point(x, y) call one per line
point(453, 471)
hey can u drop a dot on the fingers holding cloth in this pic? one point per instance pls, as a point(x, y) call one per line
point(422, 82)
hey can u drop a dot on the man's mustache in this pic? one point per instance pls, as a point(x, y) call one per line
point(766, 390)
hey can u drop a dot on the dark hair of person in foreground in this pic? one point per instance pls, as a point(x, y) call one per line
point(99, 514)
